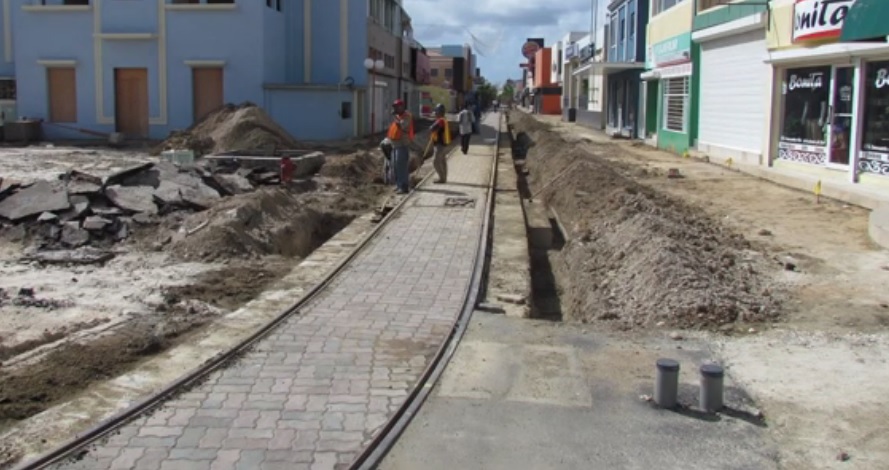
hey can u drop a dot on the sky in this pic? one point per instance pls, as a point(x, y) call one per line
point(499, 27)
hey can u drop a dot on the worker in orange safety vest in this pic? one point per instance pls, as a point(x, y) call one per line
point(401, 134)
point(441, 138)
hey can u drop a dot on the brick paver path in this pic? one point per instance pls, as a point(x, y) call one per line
point(314, 393)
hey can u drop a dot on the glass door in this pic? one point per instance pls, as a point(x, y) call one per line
point(841, 116)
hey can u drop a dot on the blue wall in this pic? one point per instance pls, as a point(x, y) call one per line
point(629, 48)
point(258, 45)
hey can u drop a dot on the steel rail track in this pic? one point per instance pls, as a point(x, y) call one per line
point(73, 446)
point(374, 454)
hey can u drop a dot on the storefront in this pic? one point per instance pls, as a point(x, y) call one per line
point(734, 83)
point(831, 100)
point(672, 76)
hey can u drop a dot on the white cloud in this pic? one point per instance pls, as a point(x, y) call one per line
point(497, 27)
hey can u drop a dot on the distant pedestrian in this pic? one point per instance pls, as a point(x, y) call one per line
point(466, 121)
point(401, 134)
point(477, 112)
point(440, 135)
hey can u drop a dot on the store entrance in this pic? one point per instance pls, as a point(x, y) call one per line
point(841, 107)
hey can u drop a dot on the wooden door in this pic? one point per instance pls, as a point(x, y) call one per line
point(62, 85)
point(131, 102)
point(206, 86)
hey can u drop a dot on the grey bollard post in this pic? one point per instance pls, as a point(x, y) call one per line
point(711, 387)
point(666, 387)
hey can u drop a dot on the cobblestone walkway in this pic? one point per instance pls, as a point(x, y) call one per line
point(314, 393)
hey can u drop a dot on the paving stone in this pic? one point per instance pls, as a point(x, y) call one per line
point(311, 394)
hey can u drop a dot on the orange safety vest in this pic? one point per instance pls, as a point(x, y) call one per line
point(394, 133)
point(445, 131)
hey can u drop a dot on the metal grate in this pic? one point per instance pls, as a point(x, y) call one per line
point(675, 104)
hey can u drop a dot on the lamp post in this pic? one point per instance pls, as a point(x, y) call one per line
point(373, 66)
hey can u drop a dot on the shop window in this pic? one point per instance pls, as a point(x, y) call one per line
point(806, 108)
point(7, 89)
point(875, 137)
point(675, 104)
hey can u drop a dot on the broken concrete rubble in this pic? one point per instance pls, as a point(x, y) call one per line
point(73, 236)
point(42, 196)
point(78, 209)
point(84, 255)
point(132, 198)
point(95, 223)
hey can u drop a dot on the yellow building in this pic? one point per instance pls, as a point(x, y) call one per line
point(830, 90)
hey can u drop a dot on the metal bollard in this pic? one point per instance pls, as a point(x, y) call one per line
point(666, 387)
point(711, 387)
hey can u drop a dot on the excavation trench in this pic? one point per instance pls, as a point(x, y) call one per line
point(604, 248)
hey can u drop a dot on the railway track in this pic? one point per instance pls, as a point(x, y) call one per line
point(373, 453)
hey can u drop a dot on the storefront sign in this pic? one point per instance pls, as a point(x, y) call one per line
point(819, 19)
point(570, 51)
point(676, 50)
point(586, 53)
point(529, 49)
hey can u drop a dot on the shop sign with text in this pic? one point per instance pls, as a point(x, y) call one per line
point(673, 51)
point(818, 20)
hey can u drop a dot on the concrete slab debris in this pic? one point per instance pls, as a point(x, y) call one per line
point(73, 236)
point(85, 255)
point(42, 196)
point(132, 198)
point(47, 217)
point(234, 183)
point(118, 177)
point(95, 223)
point(168, 193)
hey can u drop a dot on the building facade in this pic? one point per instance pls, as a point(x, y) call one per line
point(624, 62)
point(547, 95)
point(589, 81)
point(734, 79)
point(671, 81)
point(569, 63)
point(829, 98)
point(150, 67)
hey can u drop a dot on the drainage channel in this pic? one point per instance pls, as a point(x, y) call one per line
point(545, 236)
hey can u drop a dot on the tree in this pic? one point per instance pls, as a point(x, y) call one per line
point(487, 93)
point(507, 93)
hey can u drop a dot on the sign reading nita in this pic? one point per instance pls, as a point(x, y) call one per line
point(819, 19)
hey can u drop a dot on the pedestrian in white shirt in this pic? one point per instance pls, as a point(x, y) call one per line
point(465, 120)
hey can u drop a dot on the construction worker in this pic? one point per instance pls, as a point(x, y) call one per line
point(401, 134)
point(440, 135)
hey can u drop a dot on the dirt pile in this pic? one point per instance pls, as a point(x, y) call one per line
point(635, 256)
point(273, 221)
point(358, 168)
point(231, 128)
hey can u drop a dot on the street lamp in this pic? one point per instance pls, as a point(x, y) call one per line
point(373, 66)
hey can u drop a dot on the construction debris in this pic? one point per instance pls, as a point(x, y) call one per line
point(79, 209)
point(231, 128)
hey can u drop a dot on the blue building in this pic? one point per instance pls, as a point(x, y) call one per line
point(624, 63)
point(145, 68)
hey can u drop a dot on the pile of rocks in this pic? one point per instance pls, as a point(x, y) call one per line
point(80, 208)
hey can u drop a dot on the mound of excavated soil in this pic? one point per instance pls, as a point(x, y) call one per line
point(271, 221)
point(634, 255)
point(231, 128)
point(357, 168)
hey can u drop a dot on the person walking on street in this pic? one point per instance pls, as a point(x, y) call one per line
point(401, 134)
point(467, 122)
point(477, 113)
point(440, 134)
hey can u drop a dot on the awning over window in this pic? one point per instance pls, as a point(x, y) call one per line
point(866, 20)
